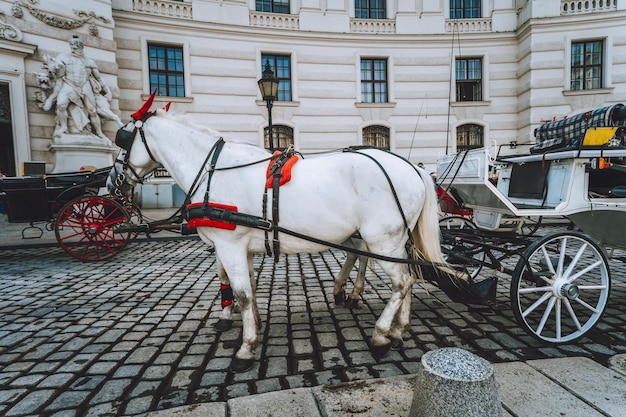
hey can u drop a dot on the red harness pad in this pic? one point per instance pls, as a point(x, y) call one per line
point(285, 170)
point(202, 222)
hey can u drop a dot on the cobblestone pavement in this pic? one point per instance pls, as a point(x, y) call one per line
point(134, 333)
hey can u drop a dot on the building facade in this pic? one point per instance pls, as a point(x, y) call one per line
point(422, 77)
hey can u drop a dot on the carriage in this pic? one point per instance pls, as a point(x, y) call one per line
point(561, 282)
point(84, 222)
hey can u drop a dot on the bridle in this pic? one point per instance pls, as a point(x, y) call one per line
point(124, 139)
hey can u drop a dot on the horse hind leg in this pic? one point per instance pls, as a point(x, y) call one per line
point(401, 284)
point(401, 322)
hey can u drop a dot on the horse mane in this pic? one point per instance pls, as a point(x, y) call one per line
point(186, 120)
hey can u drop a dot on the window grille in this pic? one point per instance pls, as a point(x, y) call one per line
point(282, 137)
point(376, 136)
point(469, 136)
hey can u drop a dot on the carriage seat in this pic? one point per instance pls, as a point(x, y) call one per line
point(26, 199)
point(608, 183)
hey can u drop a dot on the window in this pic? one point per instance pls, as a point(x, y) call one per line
point(376, 136)
point(370, 9)
point(281, 65)
point(373, 80)
point(282, 136)
point(272, 6)
point(165, 63)
point(469, 136)
point(469, 79)
point(586, 65)
point(465, 9)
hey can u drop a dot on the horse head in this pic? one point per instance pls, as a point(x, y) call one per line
point(136, 159)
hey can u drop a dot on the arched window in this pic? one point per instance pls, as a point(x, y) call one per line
point(282, 137)
point(469, 136)
point(376, 136)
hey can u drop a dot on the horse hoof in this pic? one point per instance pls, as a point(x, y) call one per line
point(223, 324)
point(381, 351)
point(351, 302)
point(397, 343)
point(339, 298)
point(241, 365)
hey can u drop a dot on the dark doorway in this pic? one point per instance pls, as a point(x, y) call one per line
point(7, 153)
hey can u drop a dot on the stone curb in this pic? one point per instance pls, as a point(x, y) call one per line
point(593, 389)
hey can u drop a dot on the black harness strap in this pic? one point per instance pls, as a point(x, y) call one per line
point(393, 189)
point(216, 153)
point(275, 190)
point(194, 184)
point(145, 143)
point(275, 171)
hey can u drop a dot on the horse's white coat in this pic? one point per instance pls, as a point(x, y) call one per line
point(329, 197)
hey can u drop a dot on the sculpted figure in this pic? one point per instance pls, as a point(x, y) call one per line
point(79, 91)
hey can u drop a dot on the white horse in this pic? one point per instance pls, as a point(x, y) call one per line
point(387, 200)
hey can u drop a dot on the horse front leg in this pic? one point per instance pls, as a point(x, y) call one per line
point(253, 286)
point(359, 284)
point(339, 289)
point(236, 264)
point(225, 321)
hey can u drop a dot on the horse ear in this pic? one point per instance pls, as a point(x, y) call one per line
point(146, 106)
point(167, 106)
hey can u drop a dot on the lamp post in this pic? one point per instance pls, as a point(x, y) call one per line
point(268, 84)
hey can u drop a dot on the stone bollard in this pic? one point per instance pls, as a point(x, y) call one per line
point(453, 382)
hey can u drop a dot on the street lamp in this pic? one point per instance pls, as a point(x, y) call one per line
point(268, 84)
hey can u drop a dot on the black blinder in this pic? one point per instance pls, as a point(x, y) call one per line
point(124, 138)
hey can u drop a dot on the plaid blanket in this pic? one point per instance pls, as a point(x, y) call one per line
point(569, 132)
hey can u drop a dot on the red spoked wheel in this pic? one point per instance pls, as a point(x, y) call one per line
point(86, 228)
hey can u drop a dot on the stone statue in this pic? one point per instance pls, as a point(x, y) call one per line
point(80, 93)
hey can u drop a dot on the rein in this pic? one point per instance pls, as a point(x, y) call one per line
point(257, 222)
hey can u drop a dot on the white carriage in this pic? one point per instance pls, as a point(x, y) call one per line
point(561, 283)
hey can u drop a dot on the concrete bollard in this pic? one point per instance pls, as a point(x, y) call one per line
point(453, 382)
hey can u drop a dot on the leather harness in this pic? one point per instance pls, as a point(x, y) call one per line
point(219, 213)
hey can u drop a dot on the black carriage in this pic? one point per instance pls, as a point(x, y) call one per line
point(85, 223)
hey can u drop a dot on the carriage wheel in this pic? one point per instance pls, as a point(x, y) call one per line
point(85, 228)
point(530, 225)
point(560, 287)
point(459, 252)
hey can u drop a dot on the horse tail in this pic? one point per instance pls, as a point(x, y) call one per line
point(426, 234)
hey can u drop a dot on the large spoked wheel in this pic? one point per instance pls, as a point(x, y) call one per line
point(86, 228)
point(560, 287)
point(460, 244)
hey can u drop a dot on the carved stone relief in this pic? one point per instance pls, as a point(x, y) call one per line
point(57, 21)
